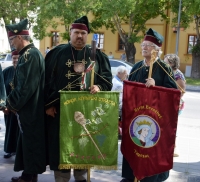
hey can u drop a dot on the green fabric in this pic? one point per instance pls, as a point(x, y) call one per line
point(155, 34)
point(12, 128)
point(2, 91)
point(136, 141)
point(27, 99)
point(139, 73)
point(16, 28)
point(77, 150)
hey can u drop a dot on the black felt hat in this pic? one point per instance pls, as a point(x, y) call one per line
point(81, 23)
point(155, 37)
point(18, 29)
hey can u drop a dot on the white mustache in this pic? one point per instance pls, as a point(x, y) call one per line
point(144, 51)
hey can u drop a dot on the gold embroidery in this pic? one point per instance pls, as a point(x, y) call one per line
point(70, 86)
point(26, 54)
point(2, 101)
point(83, 61)
point(70, 74)
point(69, 63)
point(11, 85)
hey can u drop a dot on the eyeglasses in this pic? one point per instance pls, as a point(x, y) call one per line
point(147, 45)
point(11, 39)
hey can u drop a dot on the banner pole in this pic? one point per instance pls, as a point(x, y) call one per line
point(88, 175)
point(135, 180)
point(93, 55)
point(92, 77)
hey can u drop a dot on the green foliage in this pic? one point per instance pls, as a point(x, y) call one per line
point(114, 14)
point(192, 81)
point(53, 13)
point(196, 49)
point(190, 9)
point(12, 9)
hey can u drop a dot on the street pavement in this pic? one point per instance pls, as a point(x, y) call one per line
point(186, 167)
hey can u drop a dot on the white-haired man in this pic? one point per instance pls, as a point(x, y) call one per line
point(159, 77)
point(117, 82)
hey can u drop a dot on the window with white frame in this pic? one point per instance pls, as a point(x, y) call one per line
point(192, 40)
point(100, 40)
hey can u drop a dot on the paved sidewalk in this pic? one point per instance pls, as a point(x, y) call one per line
point(186, 167)
point(192, 88)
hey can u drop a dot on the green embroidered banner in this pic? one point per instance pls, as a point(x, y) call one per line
point(88, 130)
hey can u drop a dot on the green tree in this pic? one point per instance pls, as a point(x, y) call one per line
point(114, 13)
point(52, 13)
point(109, 13)
point(190, 13)
point(10, 10)
point(13, 10)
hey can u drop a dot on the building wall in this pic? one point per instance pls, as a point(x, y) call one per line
point(4, 45)
point(111, 41)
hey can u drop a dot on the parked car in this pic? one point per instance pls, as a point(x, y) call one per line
point(5, 60)
point(114, 63)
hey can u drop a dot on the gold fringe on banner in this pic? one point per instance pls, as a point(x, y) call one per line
point(86, 166)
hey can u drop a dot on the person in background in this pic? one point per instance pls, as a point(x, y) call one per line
point(123, 57)
point(26, 100)
point(110, 56)
point(174, 61)
point(139, 73)
point(68, 76)
point(47, 50)
point(117, 82)
point(12, 129)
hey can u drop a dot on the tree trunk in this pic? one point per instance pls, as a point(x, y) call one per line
point(195, 71)
point(130, 52)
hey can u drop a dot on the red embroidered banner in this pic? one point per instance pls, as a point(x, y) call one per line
point(149, 128)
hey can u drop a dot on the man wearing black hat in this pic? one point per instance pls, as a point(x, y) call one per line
point(12, 129)
point(26, 100)
point(139, 73)
point(68, 68)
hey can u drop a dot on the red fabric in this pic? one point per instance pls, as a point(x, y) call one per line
point(15, 53)
point(158, 107)
point(79, 26)
point(152, 39)
point(23, 32)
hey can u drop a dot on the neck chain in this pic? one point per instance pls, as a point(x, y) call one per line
point(79, 67)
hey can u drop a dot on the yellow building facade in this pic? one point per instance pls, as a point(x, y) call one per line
point(110, 42)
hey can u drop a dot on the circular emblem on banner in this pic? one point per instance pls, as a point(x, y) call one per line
point(144, 131)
